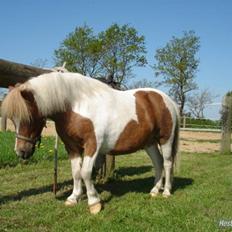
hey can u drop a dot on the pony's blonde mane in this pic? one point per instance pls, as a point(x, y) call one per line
point(53, 92)
point(15, 106)
point(57, 92)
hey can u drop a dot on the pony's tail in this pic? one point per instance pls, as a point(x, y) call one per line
point(175, 145)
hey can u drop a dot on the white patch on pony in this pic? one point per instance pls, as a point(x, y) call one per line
point(86, 172)
point(110, 112)
point(76, 174)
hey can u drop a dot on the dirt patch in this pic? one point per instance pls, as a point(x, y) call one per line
point(197, 142)
point(195, 135)
point(196, 147)
point(190, 141)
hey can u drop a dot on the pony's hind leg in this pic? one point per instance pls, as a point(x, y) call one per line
point(168, 168)
point(157, 160)
point(77, 185)
point(86, 171)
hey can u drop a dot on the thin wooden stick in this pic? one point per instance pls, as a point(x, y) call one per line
point(55, 164)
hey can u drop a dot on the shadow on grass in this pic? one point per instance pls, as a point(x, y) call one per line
point(31, 192)
point(119, 187)
point(116, 187)
point(141, 185)
point(130, 171)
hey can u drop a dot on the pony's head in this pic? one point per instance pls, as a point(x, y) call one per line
point(20, 106)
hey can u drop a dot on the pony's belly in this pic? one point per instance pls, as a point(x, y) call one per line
point(132, 143)
point(125, 143)
point(126, 149)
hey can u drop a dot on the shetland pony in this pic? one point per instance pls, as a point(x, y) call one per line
point(93, 119)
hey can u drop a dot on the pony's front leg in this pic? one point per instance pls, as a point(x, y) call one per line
point(76, 162)
point(86, 171)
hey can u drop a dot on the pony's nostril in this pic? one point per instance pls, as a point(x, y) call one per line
point(24, 153)
point(21, 153)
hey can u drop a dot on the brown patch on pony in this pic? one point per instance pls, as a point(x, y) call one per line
point(154, 124)
point(76, 132)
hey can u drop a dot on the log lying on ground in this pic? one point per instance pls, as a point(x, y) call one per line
point(12, 73)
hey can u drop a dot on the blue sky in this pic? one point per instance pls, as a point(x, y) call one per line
point(34, 29)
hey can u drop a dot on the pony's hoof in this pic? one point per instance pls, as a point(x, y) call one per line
point(70, 203)
point(166, 194)
point(95, 208)
point(154, 194)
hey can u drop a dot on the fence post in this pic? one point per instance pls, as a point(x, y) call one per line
point(55, 164)
point(226, 124)
point(184, 121)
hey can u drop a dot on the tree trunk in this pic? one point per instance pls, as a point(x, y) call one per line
point(182, 103)
point(226, 125)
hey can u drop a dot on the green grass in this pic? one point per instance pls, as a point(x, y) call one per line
point(202, 196)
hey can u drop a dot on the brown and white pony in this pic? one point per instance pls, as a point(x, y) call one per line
point(93, 119)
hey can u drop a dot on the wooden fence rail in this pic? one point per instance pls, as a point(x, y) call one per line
point(188, 123)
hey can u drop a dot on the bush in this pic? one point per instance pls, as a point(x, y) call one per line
point(202, 123)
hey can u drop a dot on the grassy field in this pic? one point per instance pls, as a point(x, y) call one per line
point(202, 195)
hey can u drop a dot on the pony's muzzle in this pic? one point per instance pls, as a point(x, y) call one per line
point(25, 152)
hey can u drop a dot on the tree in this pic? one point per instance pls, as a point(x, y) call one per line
point(81, 51)
point(123, 49)
point(177, 65)
point(112, 53)
point(143, 83)
point(198, 101)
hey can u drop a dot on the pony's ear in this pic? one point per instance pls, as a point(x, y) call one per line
point(18, 84)
point(11, 87)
